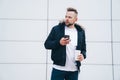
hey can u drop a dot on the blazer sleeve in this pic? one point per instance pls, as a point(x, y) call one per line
point(83, 48)
point(51, 42)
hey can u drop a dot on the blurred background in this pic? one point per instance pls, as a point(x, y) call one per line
point(25, 24)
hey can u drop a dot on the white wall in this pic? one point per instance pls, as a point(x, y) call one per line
point(25, 24)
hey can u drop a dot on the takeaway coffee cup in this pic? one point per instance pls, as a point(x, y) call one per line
point(77, 53)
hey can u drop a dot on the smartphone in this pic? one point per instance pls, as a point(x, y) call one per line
point(67, 36)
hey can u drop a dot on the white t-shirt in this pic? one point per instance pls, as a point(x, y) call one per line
point(70, 51)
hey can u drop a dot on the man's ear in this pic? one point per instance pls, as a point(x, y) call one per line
point(76, 19)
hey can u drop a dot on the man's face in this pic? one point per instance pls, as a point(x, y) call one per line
point(70, 18)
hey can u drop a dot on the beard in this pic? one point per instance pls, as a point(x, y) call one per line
point(69, 24)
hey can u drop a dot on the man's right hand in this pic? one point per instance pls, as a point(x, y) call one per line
point(64, 41)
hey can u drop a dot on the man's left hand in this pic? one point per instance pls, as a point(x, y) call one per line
point(80, 57)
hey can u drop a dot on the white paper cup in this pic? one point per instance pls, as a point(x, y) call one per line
point(77, 53)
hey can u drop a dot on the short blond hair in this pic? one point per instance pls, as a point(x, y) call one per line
point(72, 9)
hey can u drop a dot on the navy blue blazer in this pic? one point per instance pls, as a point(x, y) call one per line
point(58, 51)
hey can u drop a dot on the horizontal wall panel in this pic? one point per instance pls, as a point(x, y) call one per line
point(22, 72)
point(116, 30)
point(100, 9)
point(97, 30)
point(96, 72)
point(116, 53)
point(116, 72)
point(98, 53)
point(116, 9)
point(23, 30)
point(23, 9)
point(22, 52)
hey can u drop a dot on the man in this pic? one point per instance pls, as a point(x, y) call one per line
point(65, 67)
